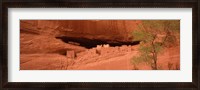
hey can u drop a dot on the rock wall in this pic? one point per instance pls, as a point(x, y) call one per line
point(116, 30)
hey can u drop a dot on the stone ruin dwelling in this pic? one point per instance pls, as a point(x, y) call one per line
point(101, 50)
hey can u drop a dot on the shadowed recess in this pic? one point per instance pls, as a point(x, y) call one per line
point(90, 43)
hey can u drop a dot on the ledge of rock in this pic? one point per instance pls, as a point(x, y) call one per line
point(110, 30)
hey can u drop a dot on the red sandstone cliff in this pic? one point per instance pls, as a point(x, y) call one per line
point(117, 30)
point(39, 36)
point(40, 49)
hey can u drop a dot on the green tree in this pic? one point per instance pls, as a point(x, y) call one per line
point(154, 35)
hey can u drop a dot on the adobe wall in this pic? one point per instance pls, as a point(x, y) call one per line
point(103, 50)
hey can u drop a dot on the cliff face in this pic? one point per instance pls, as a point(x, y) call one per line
point(114, 30)
point(42, 45)
point(46, 36)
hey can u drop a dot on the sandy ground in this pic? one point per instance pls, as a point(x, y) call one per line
point(118, 61)
point(42, 51)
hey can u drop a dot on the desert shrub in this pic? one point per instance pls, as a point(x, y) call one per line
point(154, 35)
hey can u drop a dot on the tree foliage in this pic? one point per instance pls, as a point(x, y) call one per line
point(154, 35)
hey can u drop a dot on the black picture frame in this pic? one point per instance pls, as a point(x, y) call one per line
point(194, 4)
